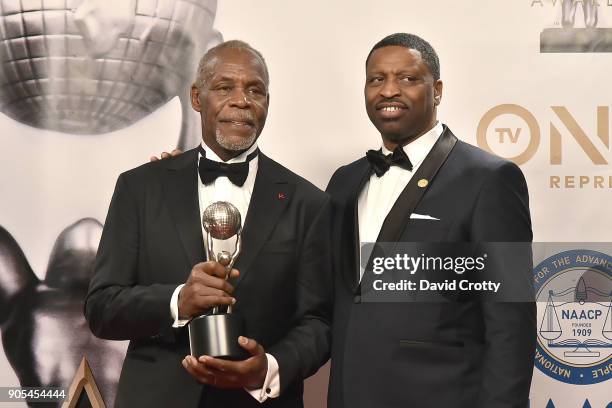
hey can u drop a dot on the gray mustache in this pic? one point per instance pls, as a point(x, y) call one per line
point(239, 118)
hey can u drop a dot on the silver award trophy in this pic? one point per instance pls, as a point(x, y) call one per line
point(216, 333)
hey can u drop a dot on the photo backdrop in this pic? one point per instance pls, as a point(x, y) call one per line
point(524, 79)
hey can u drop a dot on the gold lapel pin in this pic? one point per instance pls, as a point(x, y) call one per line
point(423, 183)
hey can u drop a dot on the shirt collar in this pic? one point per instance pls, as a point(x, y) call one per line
point(238, 159)
point(418, 149)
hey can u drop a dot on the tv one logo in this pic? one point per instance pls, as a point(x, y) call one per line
point(513, 132)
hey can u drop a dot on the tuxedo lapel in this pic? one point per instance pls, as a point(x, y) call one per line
point(398, 217)
point(271, 195)
point(180, 185)
point(354, 186)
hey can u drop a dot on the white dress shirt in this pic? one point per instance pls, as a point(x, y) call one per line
point(379, 194)
point(222, 189)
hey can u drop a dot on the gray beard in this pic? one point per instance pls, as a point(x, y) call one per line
point(235, 145)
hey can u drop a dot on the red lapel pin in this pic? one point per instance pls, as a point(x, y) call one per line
point(282, 196)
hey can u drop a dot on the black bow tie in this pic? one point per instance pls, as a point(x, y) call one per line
point(380, 163)
point(236, 172)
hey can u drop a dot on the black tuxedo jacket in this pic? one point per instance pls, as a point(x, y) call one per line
point(151, 240)
point(457, 354)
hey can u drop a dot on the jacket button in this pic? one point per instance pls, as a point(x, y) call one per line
point(357, 299)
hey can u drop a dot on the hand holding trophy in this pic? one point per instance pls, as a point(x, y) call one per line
point(216, 333)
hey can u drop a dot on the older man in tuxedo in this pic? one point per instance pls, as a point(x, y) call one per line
point(424, 185)
point(151, 275)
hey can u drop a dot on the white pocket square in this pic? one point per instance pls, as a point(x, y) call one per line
point(415, 216)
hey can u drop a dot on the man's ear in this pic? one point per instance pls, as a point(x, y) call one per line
point(438, 86)
point(195, 98)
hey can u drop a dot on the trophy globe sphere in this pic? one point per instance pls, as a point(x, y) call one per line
point(221, 220)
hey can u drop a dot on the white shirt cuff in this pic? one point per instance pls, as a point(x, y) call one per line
point(271, 385)
point(174, 312)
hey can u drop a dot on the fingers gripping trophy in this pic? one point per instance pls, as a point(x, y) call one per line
point(216, 333)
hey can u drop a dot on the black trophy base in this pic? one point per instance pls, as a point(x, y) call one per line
point(217, 336)
point(574, 40)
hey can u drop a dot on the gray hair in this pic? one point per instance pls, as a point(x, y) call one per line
point(205, 66)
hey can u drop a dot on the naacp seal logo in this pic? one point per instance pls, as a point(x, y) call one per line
point(574, 294)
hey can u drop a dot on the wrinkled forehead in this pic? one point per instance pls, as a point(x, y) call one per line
point(237, 62)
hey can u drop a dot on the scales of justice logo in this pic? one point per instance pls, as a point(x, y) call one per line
point(574, 294)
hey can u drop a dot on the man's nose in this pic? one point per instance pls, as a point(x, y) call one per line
point(389, 89)
point(239, 99)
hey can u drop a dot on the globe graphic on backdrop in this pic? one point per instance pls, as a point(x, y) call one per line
point(96, 66)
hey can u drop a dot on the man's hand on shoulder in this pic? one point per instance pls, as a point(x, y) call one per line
point(249, 373)
point(166, 155)
point(205, 288)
